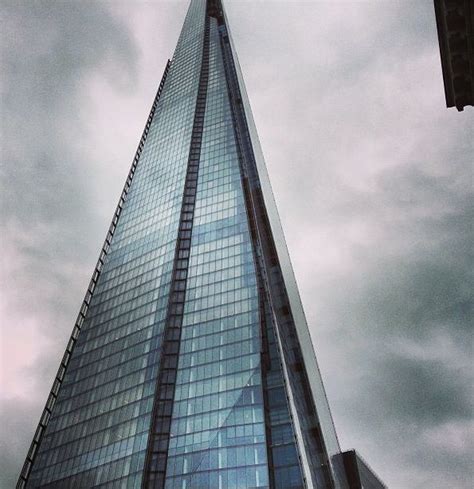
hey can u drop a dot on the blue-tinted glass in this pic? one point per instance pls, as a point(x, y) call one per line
point(98, 431)
point(193, 354)
point(218, 420)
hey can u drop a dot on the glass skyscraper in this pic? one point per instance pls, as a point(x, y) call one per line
point(190, 365)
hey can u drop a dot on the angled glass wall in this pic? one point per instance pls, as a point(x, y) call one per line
point(218, 432)
point(190, 365)
point(97, 434)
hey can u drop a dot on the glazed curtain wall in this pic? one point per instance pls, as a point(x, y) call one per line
point(227, 368)
point(218, 432)
point(98, 431)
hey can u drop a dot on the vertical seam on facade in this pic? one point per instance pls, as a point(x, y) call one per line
point(159, 434)
point(257, 260)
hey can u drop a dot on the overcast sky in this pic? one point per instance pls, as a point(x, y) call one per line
point(371, 173)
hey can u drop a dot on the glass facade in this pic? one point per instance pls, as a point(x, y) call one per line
point(97, 434)
point(190, 365)
point(217, 430)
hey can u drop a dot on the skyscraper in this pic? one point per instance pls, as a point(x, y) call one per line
point(190, 364)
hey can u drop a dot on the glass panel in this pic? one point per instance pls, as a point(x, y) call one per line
point(98, 431)
point(218, 433)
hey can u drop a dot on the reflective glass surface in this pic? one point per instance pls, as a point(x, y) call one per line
point(311, 461)
point(218, 432)
point(98, 432)
point(242, 412)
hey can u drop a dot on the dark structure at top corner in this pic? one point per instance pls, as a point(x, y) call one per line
point(455, 24)
point(359, 474)
point(214, 9)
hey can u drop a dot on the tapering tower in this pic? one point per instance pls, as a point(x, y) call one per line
point(190, 365)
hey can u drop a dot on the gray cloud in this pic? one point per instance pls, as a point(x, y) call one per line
point(372, 175)
point(420, 390)
point(50, 51)
point(15, 433)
